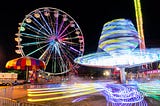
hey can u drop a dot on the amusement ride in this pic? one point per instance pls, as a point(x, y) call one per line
point(54, 37)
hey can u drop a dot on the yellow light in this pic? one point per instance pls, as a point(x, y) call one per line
point(61, 92)
point(139, 20)
point(62, 97)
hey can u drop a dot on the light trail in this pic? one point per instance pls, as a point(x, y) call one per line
point(37, 95)
point(139, 20)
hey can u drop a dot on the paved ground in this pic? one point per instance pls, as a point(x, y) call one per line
point(96, 99)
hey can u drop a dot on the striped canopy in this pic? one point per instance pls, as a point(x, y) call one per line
point(25, 63)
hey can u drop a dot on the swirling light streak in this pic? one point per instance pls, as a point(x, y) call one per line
point(80, 98)
point(62, 97)
point(102, 59)
point(149, 90)
point(41, 94)
point(115, 94)
point(118, 36)
point(120, 94)
point(61, 88)
point(69, 91)
point(142, 103)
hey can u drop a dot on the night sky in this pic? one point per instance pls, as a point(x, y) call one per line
point(90, 16)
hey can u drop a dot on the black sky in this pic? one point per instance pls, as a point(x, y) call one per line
point(90, 15)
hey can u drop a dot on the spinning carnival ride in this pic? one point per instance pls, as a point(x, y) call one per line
point(118, 48)
point(53, 36)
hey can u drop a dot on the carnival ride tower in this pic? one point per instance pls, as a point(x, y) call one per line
point(139, 20)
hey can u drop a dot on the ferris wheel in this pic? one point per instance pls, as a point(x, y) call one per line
point(53, 36)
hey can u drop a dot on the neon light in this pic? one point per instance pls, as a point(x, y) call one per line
point(117, 93)
point(139, 20)
point(118, 36)
point(66, 91)
point(102, 59)
point(150, 89)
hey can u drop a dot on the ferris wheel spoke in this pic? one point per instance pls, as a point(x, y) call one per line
point(56, 15)
point(71, 38)
point(54, 66)
point(65, 35)
point(69, 57)
point(64, 30)
point(47, 52)
point(71, 43)
point(61, 25)
point(33, 52)
point(34, 43)
point(35, 30)
point(54, 62)
point(51, 24)
point(33, 36)
point(75, 50)
point(46, 23)
point(60, 60)
point(71, 49)
point(46, 57)
point(67, 53)
point(61, 52)
point(62, 63)
point(39, 25)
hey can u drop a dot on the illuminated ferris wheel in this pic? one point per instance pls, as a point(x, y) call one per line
point(53, 36)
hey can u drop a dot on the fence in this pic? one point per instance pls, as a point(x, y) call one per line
point(10, 102)
point(6, 98)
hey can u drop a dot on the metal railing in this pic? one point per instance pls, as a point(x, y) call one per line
point(7, 100)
